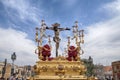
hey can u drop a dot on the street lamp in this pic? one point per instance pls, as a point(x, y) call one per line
point(13, 57)
point(28, 69)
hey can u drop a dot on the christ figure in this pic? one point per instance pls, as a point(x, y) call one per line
point(56, 28)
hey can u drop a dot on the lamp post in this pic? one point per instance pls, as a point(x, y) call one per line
point(29, 70)
point(13, 58)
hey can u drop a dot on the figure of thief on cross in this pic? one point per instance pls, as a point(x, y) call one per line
point(56, 28)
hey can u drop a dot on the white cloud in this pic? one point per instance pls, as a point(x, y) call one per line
point(16, 41)
point(102, 40)
point(22, 9)
point(112, 8)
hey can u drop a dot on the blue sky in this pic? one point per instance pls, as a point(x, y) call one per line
point(99, 19)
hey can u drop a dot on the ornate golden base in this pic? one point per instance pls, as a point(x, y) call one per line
point(61, 78)
point(60, 69)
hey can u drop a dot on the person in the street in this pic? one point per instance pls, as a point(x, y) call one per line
point(13, 77)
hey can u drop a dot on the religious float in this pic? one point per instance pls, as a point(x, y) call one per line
point(61, 67)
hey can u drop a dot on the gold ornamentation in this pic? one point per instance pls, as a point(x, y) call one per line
point(59, 68)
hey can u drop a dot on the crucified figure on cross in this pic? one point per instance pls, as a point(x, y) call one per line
point(56, 28)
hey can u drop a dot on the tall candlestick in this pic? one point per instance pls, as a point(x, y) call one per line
point(49, 40)
point(68, 41)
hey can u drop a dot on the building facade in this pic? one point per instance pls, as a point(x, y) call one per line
point(99, 71)
point(116, 70)
point(108, 72)
point(8, 70)
point(21, 71)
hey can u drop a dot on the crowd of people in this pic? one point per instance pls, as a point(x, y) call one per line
point(13, 77)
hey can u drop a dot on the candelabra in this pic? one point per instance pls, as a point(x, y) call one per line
point(65, 52)
point(79, 37)
point(40, 33)
point(49, 40)
point(68, 42)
